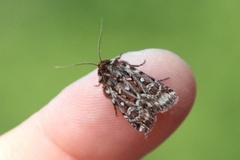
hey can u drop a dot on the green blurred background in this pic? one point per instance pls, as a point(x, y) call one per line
point(37, 35)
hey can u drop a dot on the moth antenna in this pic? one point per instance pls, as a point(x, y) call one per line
point(99, 41)
point(78, 64)
point(98, 51)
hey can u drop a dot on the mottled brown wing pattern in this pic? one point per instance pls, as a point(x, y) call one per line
point(137, 96)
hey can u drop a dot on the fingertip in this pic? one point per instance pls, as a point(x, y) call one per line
point(85, 118)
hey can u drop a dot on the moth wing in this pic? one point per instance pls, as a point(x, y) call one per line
point(137, 112)
point(137, 96)
point(159, 95)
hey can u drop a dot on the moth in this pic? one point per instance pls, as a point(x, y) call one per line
point(135, 94)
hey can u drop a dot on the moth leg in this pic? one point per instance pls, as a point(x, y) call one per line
point(164, 79)
point(118, 57)
point(138, 65)
point(97, 85)
point(115, 110)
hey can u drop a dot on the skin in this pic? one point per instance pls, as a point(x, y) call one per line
point(80, 122)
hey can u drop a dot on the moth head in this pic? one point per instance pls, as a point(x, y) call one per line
point(103, 67)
